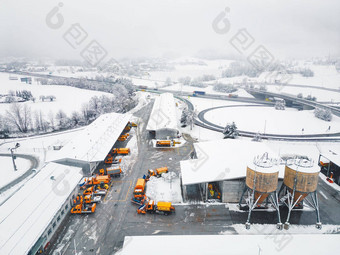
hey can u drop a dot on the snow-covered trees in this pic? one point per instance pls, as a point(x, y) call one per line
point(230, 131)
point(188, 118)
point(225, 88)
point(307, 72)
point(280, 105)
point(20, 116)
point(324, 114)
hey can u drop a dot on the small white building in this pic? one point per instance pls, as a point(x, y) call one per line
point(93, 144)
point(222, 163)
point(163, 118)
point(29, 219)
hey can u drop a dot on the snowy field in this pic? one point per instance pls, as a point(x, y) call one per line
point(68, 98)
point(269, 120)
point(7, 171)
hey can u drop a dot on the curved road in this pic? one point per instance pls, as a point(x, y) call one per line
point(34, 164)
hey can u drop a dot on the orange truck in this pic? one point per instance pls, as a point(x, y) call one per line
point(114, 171)
point(82, 208)
point(165, 208)
point(121, 151)
point(111, 160)
point(158, 171)
point(139, 190)
point(123, 137)
point(166, 143)
point(96, 191)
point(98, 179)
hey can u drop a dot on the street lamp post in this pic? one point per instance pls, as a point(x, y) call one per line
point(12, 154)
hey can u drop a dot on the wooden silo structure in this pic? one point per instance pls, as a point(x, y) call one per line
point(300, 183)
point(261, 184)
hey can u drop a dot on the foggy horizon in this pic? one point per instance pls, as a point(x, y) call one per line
point(135, 29)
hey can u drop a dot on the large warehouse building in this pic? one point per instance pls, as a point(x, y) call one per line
point(29, 219)
point(163, 119)
point(221, 166)
point(90, 147)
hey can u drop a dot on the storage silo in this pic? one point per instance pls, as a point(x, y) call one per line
point(261, 184)
point(300, 180)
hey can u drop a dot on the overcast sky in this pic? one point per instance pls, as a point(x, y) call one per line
point(136, 28)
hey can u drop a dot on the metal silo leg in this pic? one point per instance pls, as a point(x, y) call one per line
point(275, 203)
point(316, 207)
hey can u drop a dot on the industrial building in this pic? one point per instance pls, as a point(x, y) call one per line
point(329, 161)
point(219, 169)
point(90, 147)
point(29, 219)
point(163, 120)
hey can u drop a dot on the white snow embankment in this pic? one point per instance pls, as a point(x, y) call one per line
point(166, 188)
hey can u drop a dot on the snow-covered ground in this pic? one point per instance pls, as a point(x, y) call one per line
point(166, 188)
point(269, 120)
point(68, 99)
point(7, 171)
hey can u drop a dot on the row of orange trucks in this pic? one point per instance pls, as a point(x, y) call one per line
point(92, 189)
point(96, 186)
point(146, 205)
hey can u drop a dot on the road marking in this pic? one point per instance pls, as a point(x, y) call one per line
point(322, 194)
point(127, 193)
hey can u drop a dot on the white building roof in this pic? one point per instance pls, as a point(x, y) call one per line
point(232, 244)
point(332, 155)
point(163, 114)
point(94, 142)
point(224, 160)
point(27, 214)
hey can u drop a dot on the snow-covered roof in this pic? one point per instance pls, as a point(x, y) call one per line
point(163, 114)
point(332, 155)
point(232, 244)
point(94, 142)
point(224, 160)
point(26, 215)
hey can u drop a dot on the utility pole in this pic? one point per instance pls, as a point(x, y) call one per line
point(12, 154)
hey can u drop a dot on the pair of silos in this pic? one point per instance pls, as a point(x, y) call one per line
point(300, 180)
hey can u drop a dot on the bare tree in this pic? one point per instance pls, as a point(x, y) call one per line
point(75, 118)
point(20, 116)
point(51, 119)
point(4, 127)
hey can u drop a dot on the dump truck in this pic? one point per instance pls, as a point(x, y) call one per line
point(121, 151)
point(133, 124)
point(166, 143)
point(98, 179)
point(114, 171)
point(139, 190)
point(84, 208)
point(158, 171)
point(165, 208)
